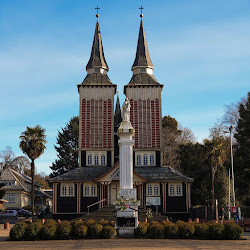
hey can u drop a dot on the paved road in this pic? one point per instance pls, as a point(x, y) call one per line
point(127, 244)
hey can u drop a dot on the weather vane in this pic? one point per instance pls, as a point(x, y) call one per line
point(97, 8)
point(141, 8)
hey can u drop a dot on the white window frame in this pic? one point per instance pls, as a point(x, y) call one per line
point(149, 190)
point(147, 158)
point(175, 189)
point(69, 191)
point(92, 189)
point(156, 190)
point(96, 158)
point(11, 198)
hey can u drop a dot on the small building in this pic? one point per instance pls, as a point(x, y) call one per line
point(97, 178)
point(18, 190)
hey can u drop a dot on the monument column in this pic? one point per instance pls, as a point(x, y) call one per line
point(127, 218)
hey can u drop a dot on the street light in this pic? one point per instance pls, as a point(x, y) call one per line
point(232, 164)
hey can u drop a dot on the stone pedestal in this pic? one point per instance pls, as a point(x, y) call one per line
point(127, 220)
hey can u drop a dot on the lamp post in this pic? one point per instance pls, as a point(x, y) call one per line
point(232, 164)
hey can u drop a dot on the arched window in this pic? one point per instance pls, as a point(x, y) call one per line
point(103, 160)
point(152, 160)
point(96, 159)
point(93, 190)
point(145, 159)
point(90, 159)
point(86, 190)
point(156, 189)
point(138, 160)
point(149, 189)
point(64, 190)
point(71, 190)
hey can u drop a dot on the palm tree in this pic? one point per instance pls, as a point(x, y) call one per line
point(33, 145)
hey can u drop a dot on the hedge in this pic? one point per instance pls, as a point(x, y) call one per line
point(25, 230)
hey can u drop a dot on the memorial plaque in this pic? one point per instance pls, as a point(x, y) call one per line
point(127, 194)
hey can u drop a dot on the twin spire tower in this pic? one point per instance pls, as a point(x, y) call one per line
point(98, 124)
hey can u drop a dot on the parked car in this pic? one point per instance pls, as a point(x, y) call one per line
point(23, 213)
point(9, 214)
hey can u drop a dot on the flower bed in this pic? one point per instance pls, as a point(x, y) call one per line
point(50, 230)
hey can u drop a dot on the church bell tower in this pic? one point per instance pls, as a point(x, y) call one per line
point(144, 94)
point(96, 117)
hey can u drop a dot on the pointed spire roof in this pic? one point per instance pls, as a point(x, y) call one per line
point(142, 58)
point(118, 116)
point(97, 59)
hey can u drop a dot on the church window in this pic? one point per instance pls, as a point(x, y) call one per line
point(64, 190)
point(152, 160)
point(171, 189)
point(145, 159)
point(138, 158)
point(103, 161)
point(156, 189)
point(67, 189)
point(178, 189)
point(71, 190)
point(86, 190)
point(96, 159)
point(175, 189)
point(93, 190)
point(149, 189)
point(89, 159)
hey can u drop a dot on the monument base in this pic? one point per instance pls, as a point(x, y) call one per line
point(127, 220)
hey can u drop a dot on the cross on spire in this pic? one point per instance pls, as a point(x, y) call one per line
point(141, 8)
point(97, 8)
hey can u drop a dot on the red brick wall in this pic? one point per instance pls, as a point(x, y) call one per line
point(96, 123)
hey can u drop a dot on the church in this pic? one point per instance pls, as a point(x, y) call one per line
point(96, 181)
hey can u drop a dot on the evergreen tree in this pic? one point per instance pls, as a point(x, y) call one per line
point(67, 148)
point(242, 154)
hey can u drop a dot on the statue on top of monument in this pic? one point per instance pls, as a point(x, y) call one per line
point(126, 111)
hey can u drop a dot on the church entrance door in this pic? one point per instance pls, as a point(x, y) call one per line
point(115, 185)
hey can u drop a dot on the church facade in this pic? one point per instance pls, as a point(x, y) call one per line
point(97, 178)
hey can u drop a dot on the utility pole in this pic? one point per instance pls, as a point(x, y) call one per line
point(229, 196)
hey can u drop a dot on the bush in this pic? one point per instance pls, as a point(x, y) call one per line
point(108, 232)
point(142, 230)
point(104, 222)
point(18, 231)
point(95, 230)
point(170, 230)
point(185, 230)
point(80, 231)
point(216, 231)
point(63, 230)
point(201, 230)
point(90, 222)
point(74, 225)
point(233, 231)
point(156, 230)
point(48, 231)
point(33, 231)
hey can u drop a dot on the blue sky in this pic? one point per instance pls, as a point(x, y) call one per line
point(200, 51)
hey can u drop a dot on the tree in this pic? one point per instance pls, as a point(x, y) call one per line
point(216, 148)
point(67, 149)
point(242, 154)
point(32, 144)
point(8, 159)
point(186, 136)
point(170, 134)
